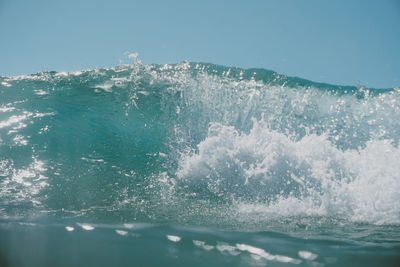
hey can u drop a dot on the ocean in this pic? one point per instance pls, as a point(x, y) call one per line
point(195, 164)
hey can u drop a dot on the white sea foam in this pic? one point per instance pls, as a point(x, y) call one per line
point(22, 185)
point(69, 228)
point(106, 86)
point(307, 255)
point(174, 238)
point(310, 176)
point(121, 232)
point(262, 254)
point(203, 245)
point(86, 227)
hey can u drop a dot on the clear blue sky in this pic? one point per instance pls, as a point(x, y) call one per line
point(342, 41)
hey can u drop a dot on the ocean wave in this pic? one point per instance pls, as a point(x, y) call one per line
point(150, 142)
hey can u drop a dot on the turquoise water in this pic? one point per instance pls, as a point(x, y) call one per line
point(196, 165)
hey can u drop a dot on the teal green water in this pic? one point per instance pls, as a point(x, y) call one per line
point(196, 165)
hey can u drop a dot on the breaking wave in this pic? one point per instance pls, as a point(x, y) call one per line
point(197, 143)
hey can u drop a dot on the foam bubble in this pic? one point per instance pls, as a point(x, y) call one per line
point(86, 227)
point(174, 238)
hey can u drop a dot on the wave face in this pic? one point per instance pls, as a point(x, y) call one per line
point(197, 144)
